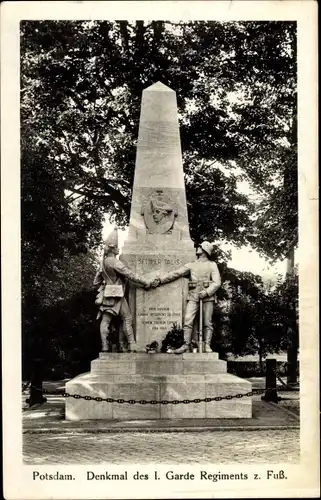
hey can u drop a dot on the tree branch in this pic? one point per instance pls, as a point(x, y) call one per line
point(111, 194)
point(140, 31)
point(123, 26)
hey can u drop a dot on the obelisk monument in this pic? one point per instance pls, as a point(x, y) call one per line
point(158, 241)
point(159, 238)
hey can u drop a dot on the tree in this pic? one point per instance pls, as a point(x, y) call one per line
point(59, 315)
point(287, 293)
point(50, 230)
point(81, 88)
point(258, 316)
point(81, 85)
point(64, 334)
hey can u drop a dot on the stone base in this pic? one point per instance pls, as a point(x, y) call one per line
point(157, 377)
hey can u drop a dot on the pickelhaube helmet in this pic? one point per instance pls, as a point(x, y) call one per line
point(112, 240)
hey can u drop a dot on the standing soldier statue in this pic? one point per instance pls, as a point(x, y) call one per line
point(205, 280)
point(111, 279)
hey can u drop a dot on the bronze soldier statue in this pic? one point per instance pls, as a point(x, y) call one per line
point(111, 279)
point(205, 280)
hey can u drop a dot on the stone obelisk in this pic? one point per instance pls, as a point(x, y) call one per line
point(158, 242)
point(159, 238)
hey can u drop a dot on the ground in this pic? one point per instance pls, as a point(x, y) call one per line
point(220, 447)
point(272, 435)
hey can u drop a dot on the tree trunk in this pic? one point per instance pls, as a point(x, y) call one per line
point(123, 25)
point(139, 38)
point(293, 340)
point(261, 357)
point(291, 190)
point(158, 28)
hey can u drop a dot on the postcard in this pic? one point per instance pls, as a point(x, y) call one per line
point(159, 249)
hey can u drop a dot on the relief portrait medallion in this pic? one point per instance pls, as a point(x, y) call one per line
point(159, 213)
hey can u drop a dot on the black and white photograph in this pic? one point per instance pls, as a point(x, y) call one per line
point(163, 252)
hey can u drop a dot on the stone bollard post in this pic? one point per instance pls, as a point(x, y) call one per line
point(270, 384)
point(36, 380)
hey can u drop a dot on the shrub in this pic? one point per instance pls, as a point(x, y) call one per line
point(65, 336)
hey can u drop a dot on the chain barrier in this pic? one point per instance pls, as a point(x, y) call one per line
point(280, 380)
point(154, 401)
point(292, 385)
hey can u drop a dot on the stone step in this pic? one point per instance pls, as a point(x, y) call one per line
point(212, 356)
point(154, 379)
point(157, 365)
point(154, 388)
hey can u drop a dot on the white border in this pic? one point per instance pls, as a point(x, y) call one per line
point(303, 479)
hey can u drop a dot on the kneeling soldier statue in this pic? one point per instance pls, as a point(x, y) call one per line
point(111, 279)
point(205, 280)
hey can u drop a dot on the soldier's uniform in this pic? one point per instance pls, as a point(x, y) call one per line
point(111, 279)
point(204, 277)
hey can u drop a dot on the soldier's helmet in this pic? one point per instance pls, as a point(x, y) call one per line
point(207, 247)
point(111, 242)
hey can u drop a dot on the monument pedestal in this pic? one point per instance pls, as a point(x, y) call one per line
point(158, 377)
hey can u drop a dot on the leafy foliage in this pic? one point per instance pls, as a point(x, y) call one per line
point(81, 85)
point(65, 335)
point(236, 87)
point(255, 318)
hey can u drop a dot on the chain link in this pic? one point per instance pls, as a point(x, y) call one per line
point(280, 380)
point(162, 401)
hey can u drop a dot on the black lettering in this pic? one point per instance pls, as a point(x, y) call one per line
point(139, 476)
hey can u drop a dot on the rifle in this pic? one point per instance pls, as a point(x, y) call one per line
point(200, 340)
point(193, 284)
